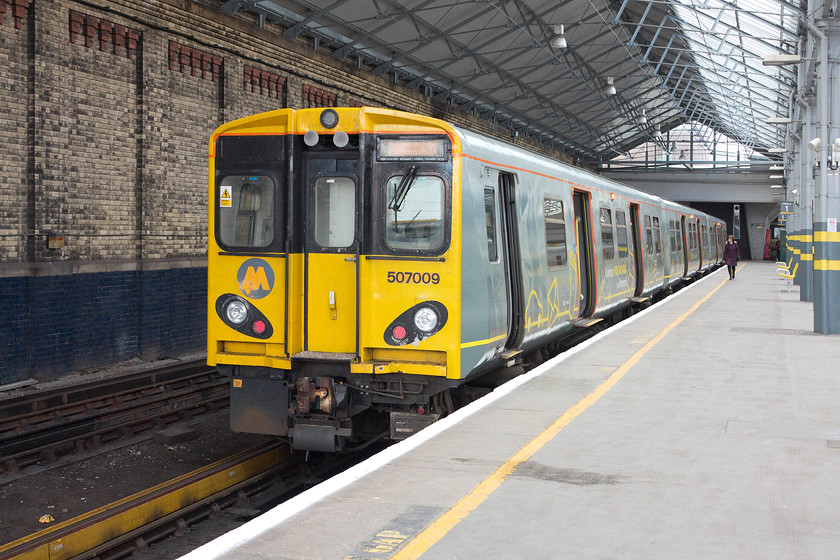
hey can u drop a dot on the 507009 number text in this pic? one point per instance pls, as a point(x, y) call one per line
point(413, 277)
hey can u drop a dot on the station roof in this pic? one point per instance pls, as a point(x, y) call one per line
point(673, 61)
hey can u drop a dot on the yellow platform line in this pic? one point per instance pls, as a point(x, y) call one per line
point(437, 530)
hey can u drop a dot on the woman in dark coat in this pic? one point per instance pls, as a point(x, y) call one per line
point(731, 255)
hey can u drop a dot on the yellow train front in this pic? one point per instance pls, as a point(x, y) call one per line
point(334, 275)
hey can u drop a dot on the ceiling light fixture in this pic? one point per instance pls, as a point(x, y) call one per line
point(642, 118)
point(779, 120)
point(559, 39)
point(776, 150)
point(774, 177)
point(609, 89)
point(777, 168)
point(656, 130)
point(781, 59)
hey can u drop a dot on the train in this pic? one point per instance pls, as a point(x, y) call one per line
point(367, 265)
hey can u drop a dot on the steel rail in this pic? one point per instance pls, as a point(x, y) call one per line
point(118, 528)
point(95, 415)
point(14, 407)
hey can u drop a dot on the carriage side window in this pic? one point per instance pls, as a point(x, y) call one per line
point(415, 211)
point(607, 234)
point(672, 234)
point(648, 236)
point(490, 220)
point(246, 211)
point(678, 228)
point(555, 231)
point(621, 233)
point(334, 225)
point(657, 238)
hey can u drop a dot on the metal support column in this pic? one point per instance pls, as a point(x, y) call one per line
point(827, 200)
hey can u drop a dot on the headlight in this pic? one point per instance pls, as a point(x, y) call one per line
point(236, 312)
point(329, 118)
point(425, 319)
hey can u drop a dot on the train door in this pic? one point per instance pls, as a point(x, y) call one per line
point(586, 269)
point(701, 250)
point(513, 260)
point(331, 254)
point(685, 243)
point(638, 250)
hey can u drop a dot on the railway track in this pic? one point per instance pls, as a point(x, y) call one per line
point(43, 427)
point(246, 483)
point(128, 525)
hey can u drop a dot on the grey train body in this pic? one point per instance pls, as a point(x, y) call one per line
point(548, 247)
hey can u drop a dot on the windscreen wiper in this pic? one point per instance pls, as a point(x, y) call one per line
point(402, 189)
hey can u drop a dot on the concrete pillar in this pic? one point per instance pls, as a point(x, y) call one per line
point(827, 200)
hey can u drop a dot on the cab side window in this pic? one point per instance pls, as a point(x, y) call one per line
point(490, 221)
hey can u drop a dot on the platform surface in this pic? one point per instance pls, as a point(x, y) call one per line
point(706, 427)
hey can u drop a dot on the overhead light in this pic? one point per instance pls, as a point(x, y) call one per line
point(643, 119)
point(781, 59)
point(779, 120)
point(777, 150)
point(777, 168)
point(609, 89)
point(774, 177)
point(777, 186)
point(656, 130)
point(815, 144)
point(559, 39)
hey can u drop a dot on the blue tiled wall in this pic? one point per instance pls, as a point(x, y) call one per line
point(51, 325)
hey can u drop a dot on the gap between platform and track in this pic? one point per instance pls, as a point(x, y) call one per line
point(425, 540)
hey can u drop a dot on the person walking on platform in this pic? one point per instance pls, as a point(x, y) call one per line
point(731, 254)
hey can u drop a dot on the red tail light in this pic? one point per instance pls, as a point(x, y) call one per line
point(398, 333)
point(258, 327)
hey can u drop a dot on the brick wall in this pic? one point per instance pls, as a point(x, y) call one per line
point(107, 110)
point(75, 321)
point(84, 134)
point(14, 72)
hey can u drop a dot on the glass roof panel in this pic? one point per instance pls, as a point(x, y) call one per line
point(745, 92)
point(677, 61)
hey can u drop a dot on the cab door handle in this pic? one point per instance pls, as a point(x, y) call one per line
point(333, 310)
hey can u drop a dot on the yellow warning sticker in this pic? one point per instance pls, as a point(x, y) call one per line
point(224, 197)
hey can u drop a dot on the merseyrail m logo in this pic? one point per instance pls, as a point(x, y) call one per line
point(255, 278)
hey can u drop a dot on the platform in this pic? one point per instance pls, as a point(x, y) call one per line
point(707, 426)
